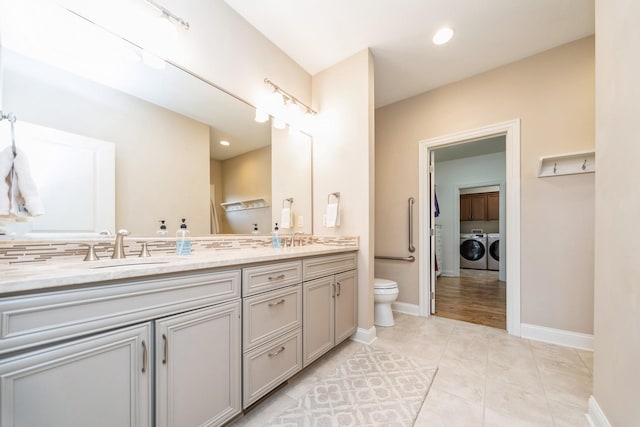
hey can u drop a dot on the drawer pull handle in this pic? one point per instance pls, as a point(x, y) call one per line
point(165, 349)
point(278, 277)
point(273, 304)
point(144, 357)
point(277, 352)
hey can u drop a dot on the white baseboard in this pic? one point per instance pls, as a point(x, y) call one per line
point(595, 416)
point(365, 336)
point(448, 273)
point(406, 308)
point(557, 336)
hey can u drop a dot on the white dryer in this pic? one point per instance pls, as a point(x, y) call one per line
point(493, 258)
point(473, 251)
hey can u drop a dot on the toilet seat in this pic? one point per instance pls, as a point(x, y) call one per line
point(380, 284)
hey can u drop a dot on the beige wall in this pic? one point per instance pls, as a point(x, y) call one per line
point(291, 178)
point(246, 177)
point(553, 95)
point(616, 381)
point(162, 158)
point(343, 160)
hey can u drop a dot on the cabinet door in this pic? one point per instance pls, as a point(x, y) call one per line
point(104, 380)
point(318, 318)
point(346, 306)
point(493, 206)
point(478, 207)
point(465, 207)
point(198, 367)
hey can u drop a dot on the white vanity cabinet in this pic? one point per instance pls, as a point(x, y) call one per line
point(88, 356)
point(197, 364)
point(103, 380)
point(272, 327)
point(330, 303)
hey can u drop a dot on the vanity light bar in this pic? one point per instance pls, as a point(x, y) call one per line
point(290, 98)
point(169, 14)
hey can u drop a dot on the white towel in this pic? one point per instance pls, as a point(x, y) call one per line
point(285, 218)
point(18, 191)
point(333, 215)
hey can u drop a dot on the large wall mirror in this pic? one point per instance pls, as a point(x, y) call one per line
point(165, 124)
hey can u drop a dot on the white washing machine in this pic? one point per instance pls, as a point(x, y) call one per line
point(473, 251)
point(493, 258)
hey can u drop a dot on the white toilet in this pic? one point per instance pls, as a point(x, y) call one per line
point(384, 293)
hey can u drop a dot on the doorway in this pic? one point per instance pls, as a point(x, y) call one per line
point(510, 224)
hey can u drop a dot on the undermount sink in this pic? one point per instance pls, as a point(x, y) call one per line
point(129, 264)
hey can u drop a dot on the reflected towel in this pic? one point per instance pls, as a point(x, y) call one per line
point(333, 215)
point(285, 218)
point(18, 191)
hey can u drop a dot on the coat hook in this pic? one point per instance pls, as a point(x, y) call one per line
point(555, 167)
point(584, 165)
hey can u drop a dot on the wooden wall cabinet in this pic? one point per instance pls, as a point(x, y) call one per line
point(480, 206)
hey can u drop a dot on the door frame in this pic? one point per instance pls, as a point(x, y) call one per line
point(511, 130)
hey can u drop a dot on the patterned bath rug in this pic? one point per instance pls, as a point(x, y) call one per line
point(371, 388)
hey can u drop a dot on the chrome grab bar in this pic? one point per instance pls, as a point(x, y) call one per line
point(412, 248)
point(409, 258)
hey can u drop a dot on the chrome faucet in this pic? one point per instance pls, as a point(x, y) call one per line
point(118, 246)
point(293, 238)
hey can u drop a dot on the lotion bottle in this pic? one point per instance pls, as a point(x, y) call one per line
point(275, 240)
point(162, 231)
point(183, 239)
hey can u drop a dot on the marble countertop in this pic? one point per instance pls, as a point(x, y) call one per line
point(15, 279)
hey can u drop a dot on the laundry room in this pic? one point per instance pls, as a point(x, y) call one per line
point(470, 225)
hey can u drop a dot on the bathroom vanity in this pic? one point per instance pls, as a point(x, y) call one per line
point(168, 341)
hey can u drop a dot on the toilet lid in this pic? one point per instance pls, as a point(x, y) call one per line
point(384, 284)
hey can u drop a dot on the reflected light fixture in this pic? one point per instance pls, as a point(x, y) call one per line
point(443, 35)
point(225, 143)
point(163, 36)
point(166, 13)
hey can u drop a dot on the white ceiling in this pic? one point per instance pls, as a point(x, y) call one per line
point(489, 33)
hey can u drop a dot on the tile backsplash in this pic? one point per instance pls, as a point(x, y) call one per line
point(17, 252)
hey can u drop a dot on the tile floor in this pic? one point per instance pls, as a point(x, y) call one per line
point(485, 376)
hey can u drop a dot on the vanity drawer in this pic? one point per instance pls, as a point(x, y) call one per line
point(269, 277)
point(314, 268)
point(42, 318)
point(271, 314)
point(270, 365)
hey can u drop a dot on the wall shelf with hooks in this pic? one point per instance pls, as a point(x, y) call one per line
point(567, 164)
point(242, 205)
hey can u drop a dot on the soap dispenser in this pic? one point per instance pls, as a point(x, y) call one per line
point(183, 239)
point(255, 231)
point(255, 238)
point(162, 231)
point(275, 239)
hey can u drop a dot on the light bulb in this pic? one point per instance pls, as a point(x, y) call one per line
point(163, 37)
point(279, 123)
point(261, 116)
point(152, 60)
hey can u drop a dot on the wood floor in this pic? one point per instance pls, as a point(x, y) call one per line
point(477, 296)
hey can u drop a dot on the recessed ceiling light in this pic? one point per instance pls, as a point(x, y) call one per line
point(223, 142)
point(443, 35)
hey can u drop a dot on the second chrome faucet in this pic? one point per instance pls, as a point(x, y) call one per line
point(118, 246)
